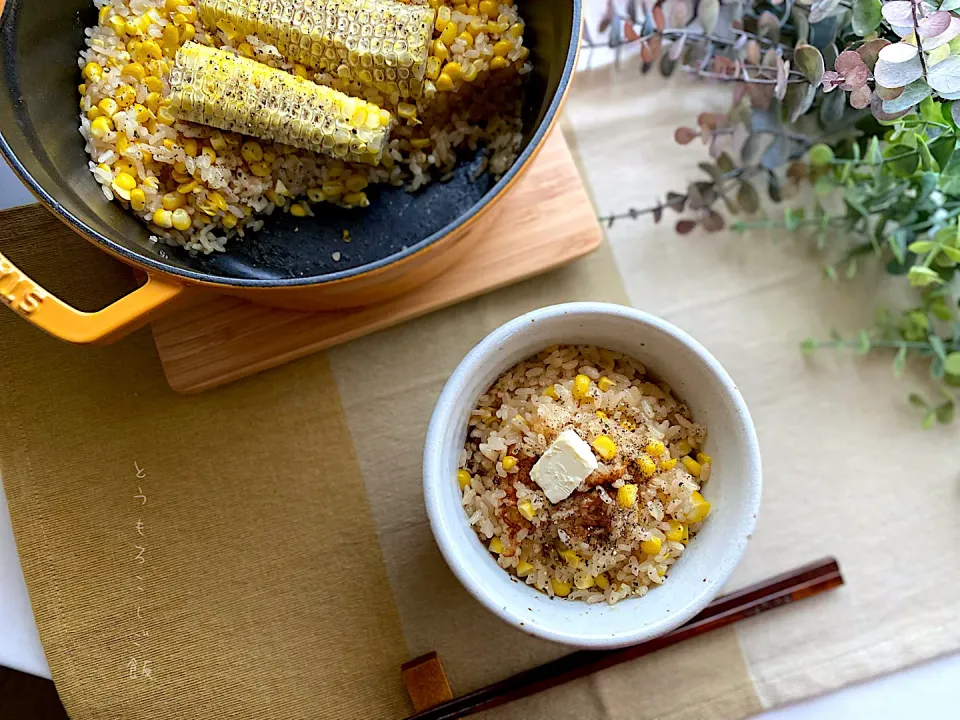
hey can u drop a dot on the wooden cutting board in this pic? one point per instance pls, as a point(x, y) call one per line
point(546, 221)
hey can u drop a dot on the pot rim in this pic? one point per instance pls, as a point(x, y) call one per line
point(465, 220)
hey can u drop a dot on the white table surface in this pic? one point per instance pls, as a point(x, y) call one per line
point(924, 691)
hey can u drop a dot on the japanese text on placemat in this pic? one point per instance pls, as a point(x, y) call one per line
point(139, 665)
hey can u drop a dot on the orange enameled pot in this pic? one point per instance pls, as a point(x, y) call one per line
point(400, 242)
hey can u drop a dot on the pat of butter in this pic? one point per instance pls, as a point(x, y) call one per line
point(564, 465)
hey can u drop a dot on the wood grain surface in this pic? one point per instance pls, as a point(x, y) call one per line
point(546, 221)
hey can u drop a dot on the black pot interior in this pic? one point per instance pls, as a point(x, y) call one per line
point(39, 120)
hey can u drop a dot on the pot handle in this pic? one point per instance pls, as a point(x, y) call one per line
point(54, 316)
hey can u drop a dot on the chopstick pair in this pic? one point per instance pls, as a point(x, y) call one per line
point(804, 582)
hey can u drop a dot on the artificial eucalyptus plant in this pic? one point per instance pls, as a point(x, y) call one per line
point(860, 99)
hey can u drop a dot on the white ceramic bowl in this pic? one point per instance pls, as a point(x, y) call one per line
point(733, 490)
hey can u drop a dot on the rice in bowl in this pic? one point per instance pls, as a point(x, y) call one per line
point(629, 520)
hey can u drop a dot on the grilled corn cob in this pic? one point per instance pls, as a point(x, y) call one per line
point(217, 88)
point(379, 43)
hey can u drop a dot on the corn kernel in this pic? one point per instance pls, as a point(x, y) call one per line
point(117, 24)
point(210, 154)
point(551, 392)
point(252, 151)
point(515, 31)
point(444, 82)
point(449, 34)
point(489, 8)
point(219, 201)
point(454, 70)
point(466, 37)
point(356, 183)
point(134, 70)
point(181, 219)
point(676, 531)
point(191, 147)
point(704, 459)
point(606, 384)
point(143, 115)
point(524, 568)
point(440, 51)
point(683, 447)
point(560, 588)
point(385, 117)
point(261, 169)
point(100, 127)
point(692, 466)
point(601, 414)
point(701, 508)
point(172, 201)
point(93, 113)
point(651, 546)
point(648, 467)
point(92, 71)
point(152, 183)
point(526, 508)
point(470, 72)
point(463, 479)
point(188, 31)
point(496, 546)
point(332, 188)
point(108, 106)
point(509, 462)
point(443, 18)
point(246, 49)
point(126, 96)
point(298, 210)
point(229, 221)
point(602, 581)
point(605, 446)
point(583, 581)
point(655, 448)
point(316, 196)
point(357, 199)
point(163, 218)
point(123, 143)
point(165, 116)
point(627, 495)
point(149, 50)
point(668, 464)
point(138, 199)
point(523, 55)
point(570, 557)
point(188, 187)
point(581, 385)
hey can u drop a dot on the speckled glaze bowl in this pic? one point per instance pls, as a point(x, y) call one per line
point(734, 487)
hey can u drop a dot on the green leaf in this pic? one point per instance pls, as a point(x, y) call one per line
point(747, 197)
point(950, 175)
point(928, 420)
point(923, 277)
point(951, 365)
point(918, 401)
point(945, 413)
point(808, 60)
point(912, 94)
point(947, 5)
point(951, 112)
point(927, 161)
point(831, 272)
point(942, 149)
point(921, 246)
point(725, 163)
point(936, 344)
point(866, 16)
point(808, 346)
point(900, 362)
point(864, 339)
point(944, 77)
point(874, 154)
point(798, 100)
point(821, 155)
point(952, 253)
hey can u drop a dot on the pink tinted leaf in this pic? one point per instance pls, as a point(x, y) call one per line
point(846, 61)
point(860, 98)
point(934, 24)
point(899, 12)
point(685, 135)
point(831, 80)
point(870, 50)
point(856, 78)
point(607, 18)
point(685, 226)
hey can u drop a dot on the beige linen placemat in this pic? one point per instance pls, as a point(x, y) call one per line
point(263, 590)
point(847, 470)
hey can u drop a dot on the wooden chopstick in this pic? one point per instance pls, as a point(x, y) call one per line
point(784, 589)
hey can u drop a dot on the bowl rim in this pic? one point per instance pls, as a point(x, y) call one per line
point(478, 209)
point(484, 353)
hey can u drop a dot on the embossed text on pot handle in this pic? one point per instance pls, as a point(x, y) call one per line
point(36, 305)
